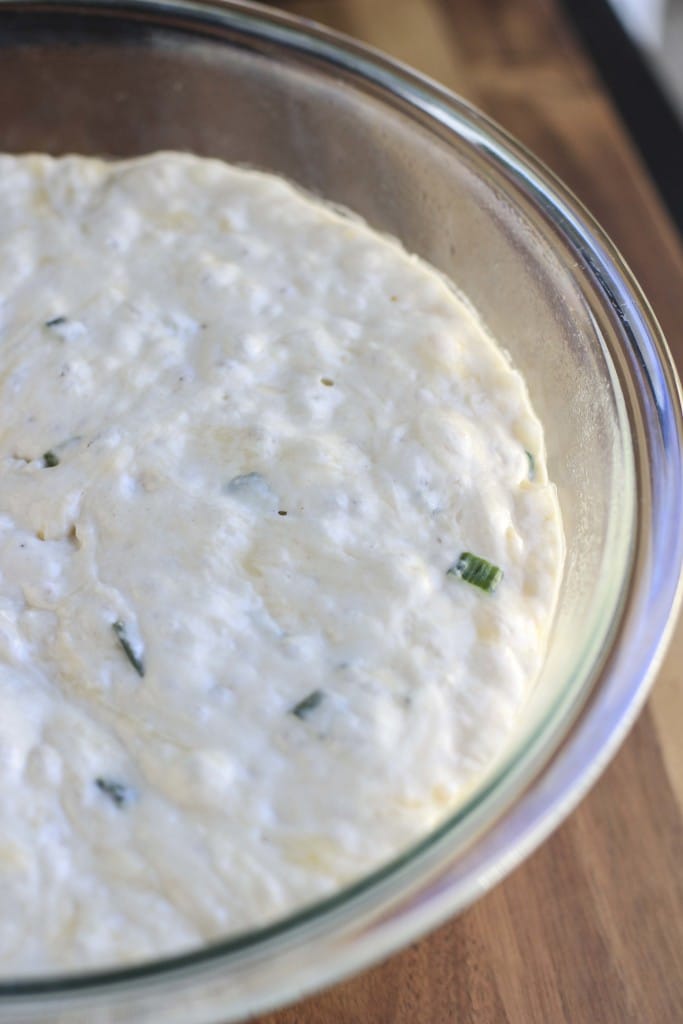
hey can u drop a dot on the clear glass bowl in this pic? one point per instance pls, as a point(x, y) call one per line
point(260, 88)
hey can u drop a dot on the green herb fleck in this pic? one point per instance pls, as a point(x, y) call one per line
point(117, 792)
point(477, 571)
point(245, 481)
point(532, 464)
point(56, 321)
point(303, 709)
point(50, 459)
point(254, 491)
point(135, 660)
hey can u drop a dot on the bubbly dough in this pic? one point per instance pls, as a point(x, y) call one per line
point(243, 438)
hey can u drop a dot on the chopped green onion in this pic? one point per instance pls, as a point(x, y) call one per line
point(304, 707)
point(50, 459)
point(477, 571)
point(56, 321)
point(135, 659)
point(245, 481)
point(532, 464)
point(117, 792)
point(254, 491)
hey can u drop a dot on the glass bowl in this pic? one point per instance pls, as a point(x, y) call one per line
point(260, 88)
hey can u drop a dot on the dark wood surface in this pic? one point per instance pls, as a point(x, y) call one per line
point(590, 929)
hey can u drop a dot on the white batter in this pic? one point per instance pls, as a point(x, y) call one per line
point(242, 441)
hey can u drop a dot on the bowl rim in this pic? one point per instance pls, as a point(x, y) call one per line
point(642, 625)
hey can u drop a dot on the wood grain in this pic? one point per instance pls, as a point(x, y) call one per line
point(590, 929)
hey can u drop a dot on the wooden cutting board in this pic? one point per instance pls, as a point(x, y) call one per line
point(590, 929)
